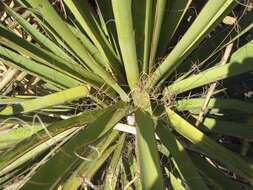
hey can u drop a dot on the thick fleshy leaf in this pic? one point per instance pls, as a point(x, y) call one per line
point(46, 57)
point(89, 166)
point(234, 129)
point(88, 44)
point(38, 150)
point(188, 169)
point(214, 103)
point(83, 14)
point(122, 10)
point(46, 101)
point(210, 75)
point(8, 158)
point(243, 54)
point(13, 136)
point(160, 13)
point(217, 177)
point(34, 68)
point(175, 13)
point(93, 132)
point(147, 155)
point(112, 173)
point(149, 4)
point(43, 40)
point(211, 47)
point(106, 16)
point(131, 171)
point(175, 182)
point(232, 161)
point(62, 30)
point(208, 18)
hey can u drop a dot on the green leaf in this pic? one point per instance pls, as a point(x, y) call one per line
point(209, 147)
point(210, 75)
point(13, 136)
point(40, 148)
point(106, 16)
point(46, 57)
point(8, 159)
point(124, 24)
point(61, 29)
point(138, 13)
point(234, 129)
point(175, 13)
point(214, 103)
point(112, 172)
point(214, 45)
point(175, 182)
point(243, 53)
point(37, 35)
point(92, 162)
point(208, 18)
point(218, 177)
point(184, 163)
point(82, 12)
point(147, 155)
point(63, 159)
point(160, 12)
point(44, 72)
point(131, 171)
point(46, 101)
point(88, 44)
point(149, 4)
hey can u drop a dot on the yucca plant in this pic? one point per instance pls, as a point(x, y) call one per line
point(117, 101)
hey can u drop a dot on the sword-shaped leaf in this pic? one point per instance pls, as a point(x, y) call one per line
point(63, 159)
point(147, 155)
point(187, 170)
point(46, 101)
point(232, 161)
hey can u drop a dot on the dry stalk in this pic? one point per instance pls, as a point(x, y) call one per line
point(210, 91)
